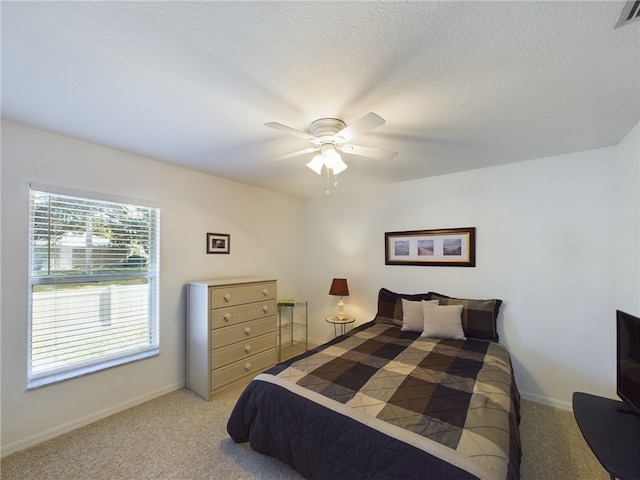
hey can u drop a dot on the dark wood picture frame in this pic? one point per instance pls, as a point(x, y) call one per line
point(218, 243)
point(446, 247)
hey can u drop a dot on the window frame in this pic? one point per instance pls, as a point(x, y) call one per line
point(151, 275)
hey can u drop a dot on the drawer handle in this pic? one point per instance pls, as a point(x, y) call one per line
point(227, 317)
point(227, 297)
point(247, 366)
point(247, 331)
point(265, 292)
point(247, 348)
point(265, 309)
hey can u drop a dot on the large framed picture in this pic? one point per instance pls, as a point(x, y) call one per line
point(448, 247)
point(218, 242)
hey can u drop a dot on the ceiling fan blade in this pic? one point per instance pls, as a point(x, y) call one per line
point(377, 153)
point(295, 154)
point(291, 131)
point(363, 124)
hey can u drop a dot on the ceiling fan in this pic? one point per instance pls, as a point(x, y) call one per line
point(330, 136)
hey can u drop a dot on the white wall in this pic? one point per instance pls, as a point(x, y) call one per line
point(191, 204)
point(547, 238)
point(628, 215)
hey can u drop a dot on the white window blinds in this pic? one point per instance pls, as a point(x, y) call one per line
point(94, 279)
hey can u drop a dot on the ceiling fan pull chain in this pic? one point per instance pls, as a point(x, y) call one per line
point(328, 192)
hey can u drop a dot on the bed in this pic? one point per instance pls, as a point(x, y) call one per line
point(406, 395)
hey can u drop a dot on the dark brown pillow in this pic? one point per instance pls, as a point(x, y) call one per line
point(390, 305)
point(478, 316)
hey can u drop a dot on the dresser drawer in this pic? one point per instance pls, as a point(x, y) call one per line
point(226, 296)
point(242, 350)
point(255, 364)
point(221, 337)
point(223, 317)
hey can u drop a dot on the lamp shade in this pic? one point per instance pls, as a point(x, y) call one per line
point(316, 164)
point(339, 166)
point(339, 287)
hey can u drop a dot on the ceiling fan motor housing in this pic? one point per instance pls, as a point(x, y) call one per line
point(324, 129)
point(333, 133)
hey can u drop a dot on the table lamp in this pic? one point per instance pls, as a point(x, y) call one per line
point(339, 288)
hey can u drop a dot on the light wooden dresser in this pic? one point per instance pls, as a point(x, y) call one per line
point(231, 333)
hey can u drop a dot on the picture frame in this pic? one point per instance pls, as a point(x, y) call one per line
point(218, 243)
point(446, 247)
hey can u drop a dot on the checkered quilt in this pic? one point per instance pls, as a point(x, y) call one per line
point(452, 399)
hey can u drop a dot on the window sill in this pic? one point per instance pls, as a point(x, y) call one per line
point(49, 379)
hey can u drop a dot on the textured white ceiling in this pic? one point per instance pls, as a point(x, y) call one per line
point(462, 85)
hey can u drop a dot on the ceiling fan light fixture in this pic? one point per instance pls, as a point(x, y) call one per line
point(339, 166)
point(316, 164)
point(331, 157)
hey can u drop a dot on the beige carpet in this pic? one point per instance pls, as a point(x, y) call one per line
point(179, 436)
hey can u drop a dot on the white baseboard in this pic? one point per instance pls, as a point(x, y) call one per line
point(86, 420)
point(551, 402)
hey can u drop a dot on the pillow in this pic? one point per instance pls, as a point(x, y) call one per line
point(478, 316)
point(412, 315)
point(442, 321)
point(390, 305)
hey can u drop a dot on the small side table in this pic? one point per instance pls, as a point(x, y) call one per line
point(341, 322)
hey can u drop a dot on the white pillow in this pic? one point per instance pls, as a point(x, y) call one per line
point(413, 316)
point(442, 321)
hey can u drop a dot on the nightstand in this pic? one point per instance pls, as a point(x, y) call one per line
point(341, 322)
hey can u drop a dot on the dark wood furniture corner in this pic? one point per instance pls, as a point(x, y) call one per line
point(612, 432)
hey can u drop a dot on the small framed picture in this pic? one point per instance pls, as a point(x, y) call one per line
point(448, 247)
point(218, 242)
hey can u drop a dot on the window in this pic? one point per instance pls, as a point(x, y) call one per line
point(93, 280)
